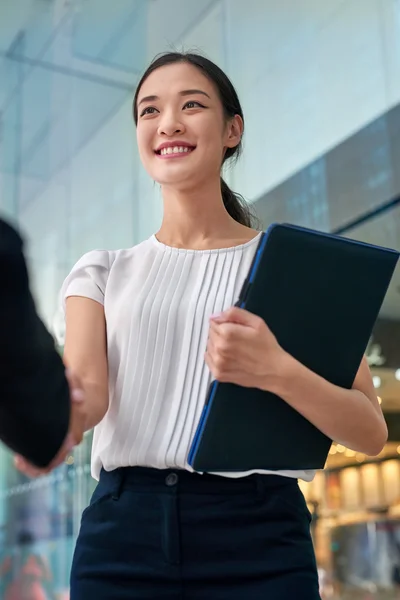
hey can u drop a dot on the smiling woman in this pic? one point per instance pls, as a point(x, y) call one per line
point(200, 102)
point(164, 312)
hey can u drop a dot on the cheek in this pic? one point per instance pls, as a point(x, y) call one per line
point(141, 140)
point(145, 148)
point(213, 154)
point(214, 141)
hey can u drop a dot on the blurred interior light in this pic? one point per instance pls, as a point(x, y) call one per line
point(377, 381)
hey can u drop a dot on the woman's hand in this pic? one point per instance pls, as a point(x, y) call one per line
point(75, 432)
point(242, 349)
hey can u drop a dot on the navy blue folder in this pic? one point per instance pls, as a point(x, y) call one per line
point(320, 295)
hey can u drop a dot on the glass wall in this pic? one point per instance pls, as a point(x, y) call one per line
point(311, 75)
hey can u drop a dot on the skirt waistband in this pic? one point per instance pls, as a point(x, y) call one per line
point(174, 480)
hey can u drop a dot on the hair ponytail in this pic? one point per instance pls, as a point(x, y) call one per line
point(236, 206)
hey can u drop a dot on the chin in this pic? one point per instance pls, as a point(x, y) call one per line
point(180, 185)
point(173, 177)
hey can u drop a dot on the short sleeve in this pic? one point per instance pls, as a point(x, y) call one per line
point(88, 279)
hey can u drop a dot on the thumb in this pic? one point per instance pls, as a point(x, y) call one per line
point(235, 315)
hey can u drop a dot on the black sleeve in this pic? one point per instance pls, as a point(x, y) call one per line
point(34, 395)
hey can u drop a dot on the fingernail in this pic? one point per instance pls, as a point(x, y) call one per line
point(216, 316)
point(78, 395)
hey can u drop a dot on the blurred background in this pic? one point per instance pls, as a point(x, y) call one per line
point(319, 81)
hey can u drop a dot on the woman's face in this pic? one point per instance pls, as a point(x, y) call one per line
point(181, 132)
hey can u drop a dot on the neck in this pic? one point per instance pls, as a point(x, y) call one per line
point(196, 218)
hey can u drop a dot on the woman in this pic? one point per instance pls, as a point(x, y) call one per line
point(147, 329)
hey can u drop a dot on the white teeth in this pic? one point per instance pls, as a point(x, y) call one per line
point(174, 150)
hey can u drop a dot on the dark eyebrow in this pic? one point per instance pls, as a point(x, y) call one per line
point(192, 92)
point(148, 99)
point(183, 93)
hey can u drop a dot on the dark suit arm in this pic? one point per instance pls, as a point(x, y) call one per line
point(34, 395)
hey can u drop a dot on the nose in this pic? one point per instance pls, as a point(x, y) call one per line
point(170, 124)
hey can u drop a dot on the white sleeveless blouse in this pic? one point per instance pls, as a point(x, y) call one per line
point(157, 302)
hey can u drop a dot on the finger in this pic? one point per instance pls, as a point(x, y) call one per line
point(236, 315)
point(231, 332)
point(211, 365)
point(224, 376)
point(231, 375)
point(70, 442)
point(211, 343)
point(76, 431)
point(215, 328)
point(27, 468)
point(218, 349)
point(207, 360)
point(223, 329)
point(227, 344)
point(217, 364)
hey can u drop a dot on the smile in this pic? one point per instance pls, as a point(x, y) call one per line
point(174, 151)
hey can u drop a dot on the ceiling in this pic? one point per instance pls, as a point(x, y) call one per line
point(60, 82)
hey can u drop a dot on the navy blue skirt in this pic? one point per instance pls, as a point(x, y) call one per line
point(155, 534)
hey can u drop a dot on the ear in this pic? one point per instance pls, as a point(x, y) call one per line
point(234, 132)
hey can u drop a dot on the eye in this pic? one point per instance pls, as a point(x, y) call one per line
point(149, 110)
point(193, 104)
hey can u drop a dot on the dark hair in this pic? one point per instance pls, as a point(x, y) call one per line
point(234, 203)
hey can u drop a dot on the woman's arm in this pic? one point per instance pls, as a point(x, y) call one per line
point(351, 417)
point(85, 353)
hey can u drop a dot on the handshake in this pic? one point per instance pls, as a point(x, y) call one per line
point(74, 436)
point(43, 410)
